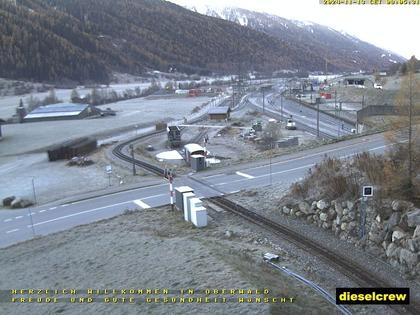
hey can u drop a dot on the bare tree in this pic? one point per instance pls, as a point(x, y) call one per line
point(271, 133)
point(403, 134)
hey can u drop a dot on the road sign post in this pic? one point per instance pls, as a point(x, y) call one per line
point(32, 222)
point(367, 192)
point(171, 187)
point(108, 170)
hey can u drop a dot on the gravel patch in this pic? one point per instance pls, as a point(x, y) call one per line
point(28, 137)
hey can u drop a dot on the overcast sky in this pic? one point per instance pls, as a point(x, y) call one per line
point(392, 27)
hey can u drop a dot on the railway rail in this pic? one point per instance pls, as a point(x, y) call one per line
point(351, 269)
point(118, 151)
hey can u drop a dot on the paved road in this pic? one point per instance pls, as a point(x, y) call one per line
point(305, 118)
point(15, 225)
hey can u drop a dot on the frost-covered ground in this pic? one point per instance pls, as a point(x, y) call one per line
point(27, 137)
point(156, 249)
point(8, 104)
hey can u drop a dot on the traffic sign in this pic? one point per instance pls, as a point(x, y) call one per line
point(367, 191)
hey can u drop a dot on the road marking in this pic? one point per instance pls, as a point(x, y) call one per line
point(117, 193)
point(265, 175)
point(64, 205)
point(245, 175)
point(19, 217)
point(79, 213)
point(40, 211)
point(310, 155)
point(141, 204)
point(234, 192)
point(12, 231)
point(211, 176)
point(32, 213)
point(53, 208)
point(154, 196)
point(7, 220)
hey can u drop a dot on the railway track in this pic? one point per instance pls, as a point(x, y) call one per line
point(351, 269)
point(118, 151)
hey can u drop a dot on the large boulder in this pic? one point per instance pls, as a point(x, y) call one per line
point(338, 208)
point(398, 234)
point(286, 210)
point(414, 244)
point(413, 217)
point(331, 214)
point(400, 205)
point(393, 220)
point(21, 203)
point(322, 204)
point(416, 231)
point(7, 202)
point(409, 258)
point(305, 208)
point(323, 217)
point(375, 238)
point(392, 250)
point(15, 204)
point(337, 220)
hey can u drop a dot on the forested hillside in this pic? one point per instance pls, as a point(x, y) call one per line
point(85, 40)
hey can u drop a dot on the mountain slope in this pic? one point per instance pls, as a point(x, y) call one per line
point(85, 40)
point(338, 48)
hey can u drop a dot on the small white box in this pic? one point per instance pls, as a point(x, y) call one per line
point(199, 216)
point(187, 205)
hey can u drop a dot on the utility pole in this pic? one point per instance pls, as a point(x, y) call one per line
point(33, 190)
point(263, 99)
point(271, 153)
point(233, 95)
point(317, 119)
point(281, 104)
point(326, 71)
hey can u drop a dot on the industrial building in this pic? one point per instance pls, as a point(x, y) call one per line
point(358, 81)
point(174, 136)
point(219, 113)
point(61, 111)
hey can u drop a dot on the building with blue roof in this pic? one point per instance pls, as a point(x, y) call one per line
point(61, 111)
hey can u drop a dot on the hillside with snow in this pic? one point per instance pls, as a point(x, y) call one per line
point(338, 48)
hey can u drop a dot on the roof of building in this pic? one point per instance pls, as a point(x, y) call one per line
point(193, 147)
point(60, 109)
point(219, 110)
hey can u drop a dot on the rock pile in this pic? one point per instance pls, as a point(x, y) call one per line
point(392, 231)
point(16, 202)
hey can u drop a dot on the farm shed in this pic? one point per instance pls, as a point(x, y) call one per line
point(61, 111)
point(219, 113)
